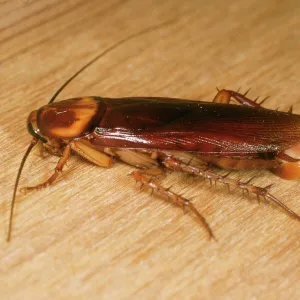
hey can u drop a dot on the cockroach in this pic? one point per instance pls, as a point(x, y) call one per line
point(155, 134)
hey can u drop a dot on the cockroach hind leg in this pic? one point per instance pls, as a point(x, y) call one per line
point(289, 167)
point(178, 165)
point(263, 101)
point(243, 100)
point(290, 109)
point(59, 167)
point(188, 204)
point(245, 94)
point(148, 181)
point(224, 96)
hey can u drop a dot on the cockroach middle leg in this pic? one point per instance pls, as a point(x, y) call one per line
point(224, 96)
point(175, 164)
point(62, 161)
point(148, 181)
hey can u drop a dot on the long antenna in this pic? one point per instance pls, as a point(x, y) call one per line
point(114, 46)
point(32, 144)
point(36, 139)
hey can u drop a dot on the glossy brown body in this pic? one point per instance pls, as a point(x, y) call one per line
point(204, 128)
point(154, 134)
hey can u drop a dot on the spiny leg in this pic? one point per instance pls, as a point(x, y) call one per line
point(84, 149)
point(62, 161)
point(224, 96)
point(177, 199)
point(177, 165)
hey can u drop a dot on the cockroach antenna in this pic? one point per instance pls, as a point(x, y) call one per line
point(32, 144)
point(39, 138)
point(164, 132)
point(114, 46)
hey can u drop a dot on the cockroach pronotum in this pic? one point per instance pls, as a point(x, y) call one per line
point(156, 134)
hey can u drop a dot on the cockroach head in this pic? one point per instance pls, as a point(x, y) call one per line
point(67, 119)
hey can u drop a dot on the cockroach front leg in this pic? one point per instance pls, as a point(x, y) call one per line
point(53, 147)
point(97, 157)
point(148, 181)
point(62, 161)
point(224, 96)
point(175, 164)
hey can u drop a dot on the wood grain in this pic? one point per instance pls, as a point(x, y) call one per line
point(94, 234)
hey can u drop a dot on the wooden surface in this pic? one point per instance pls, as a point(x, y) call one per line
point(94, 234)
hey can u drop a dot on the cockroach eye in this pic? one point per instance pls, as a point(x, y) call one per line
point(33, 128)
point(155, 134)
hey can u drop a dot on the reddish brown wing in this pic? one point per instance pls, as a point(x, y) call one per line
point(202, 127)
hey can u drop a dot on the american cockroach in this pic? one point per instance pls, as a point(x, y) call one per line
point(156, 134)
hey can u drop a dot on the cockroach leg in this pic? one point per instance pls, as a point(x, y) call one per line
point(289, 164)
point(288, 170)
point(95, 156)
point(153, 172)
point(135, 158)
point(41, 149)
point(57, 151)
point(148, 181)
point(224, 96)
point(177, 165)
point(290, 109)
point(62, 161)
